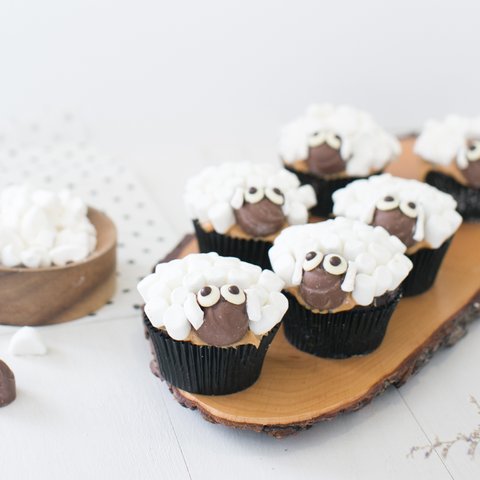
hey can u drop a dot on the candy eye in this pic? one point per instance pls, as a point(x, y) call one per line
point(316, 139)
point(335, 264)
point(254, 194)
point(312, 260)
point(473, 152)
point(233, 294)
point(334, 140)
point(208, 296)
point(409, 209)
point(387, 203)
point(275, 195)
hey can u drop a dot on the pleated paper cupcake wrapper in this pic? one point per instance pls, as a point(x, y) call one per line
point(324, 189)
point(337, 335)
point(426, 264)
point(468, 198)
point(251, 251)
point(208, 370)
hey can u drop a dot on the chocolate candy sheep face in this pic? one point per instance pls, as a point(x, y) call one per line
point(225, 318)
point(322, 279)
point(261, 213)
point(398, 218)
point(472, 170)
point(324, 157)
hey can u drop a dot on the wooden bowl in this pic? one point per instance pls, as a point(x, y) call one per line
point(44, 296)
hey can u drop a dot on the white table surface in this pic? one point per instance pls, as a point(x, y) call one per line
point(92, 409)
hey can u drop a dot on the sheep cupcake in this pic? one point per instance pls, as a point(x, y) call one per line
point(421, 216)
point(238, 208)
point(330, 146)
point(211, 320)
point(452, 146)
point(342, 278)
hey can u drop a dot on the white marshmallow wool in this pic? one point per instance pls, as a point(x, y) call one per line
point(40, 228)
point(214, 194)
point(437, 218)
point(376, 263)
point(442, 141)
point(365, 145)
point(170, 294)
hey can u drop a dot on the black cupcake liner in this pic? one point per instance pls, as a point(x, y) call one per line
point(324, 189)
point(251, 250)
point(426, 264)
point(338, 335)
point(208, 370)
point(468, 198)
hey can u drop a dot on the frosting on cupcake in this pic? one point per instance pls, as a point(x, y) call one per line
point(332, 139)
point(218, 298)
point(40, 228)
point(260, 198)
point(455, 140)
point(411, 210)
point(332, 260)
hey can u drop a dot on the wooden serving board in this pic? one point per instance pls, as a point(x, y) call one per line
point(296, 390)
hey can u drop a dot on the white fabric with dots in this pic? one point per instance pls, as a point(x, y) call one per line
point(376, 260)
point(57, 154)
point(437, 214)
point(365, 145)
point(170, 293)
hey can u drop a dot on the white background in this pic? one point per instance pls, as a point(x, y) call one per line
point(175, 81)
point(169, 87)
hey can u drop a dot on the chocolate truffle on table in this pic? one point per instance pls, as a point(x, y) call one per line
point(421, 216)
point(329, 146)
point(452, 148)
point(342, 279)
point(7, 385)
point(238, 208)
point(211, 320)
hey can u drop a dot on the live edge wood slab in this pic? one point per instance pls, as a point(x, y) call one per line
point(296, 390)
point(44, 296)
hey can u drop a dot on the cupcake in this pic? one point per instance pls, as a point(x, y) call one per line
point(452, 147)
point(330, 146)
point(238, 208)
point(342, 281)
point(421, 216)
point(211, 320)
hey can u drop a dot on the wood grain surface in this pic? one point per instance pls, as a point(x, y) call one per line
point(296, 390)
point(44, 296)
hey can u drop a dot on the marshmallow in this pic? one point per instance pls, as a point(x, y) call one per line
point(437, 218)
point(213, 195)
point(27, 341)
point(170, 294)
point(375, 263)
point(40, 228)
point(365, 145)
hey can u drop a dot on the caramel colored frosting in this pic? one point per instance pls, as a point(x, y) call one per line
point(237, 232)
point(347, 303)
point(302, 167)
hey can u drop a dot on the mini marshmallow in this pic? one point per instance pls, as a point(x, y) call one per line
point(441, 141)
point(213, 195)
point(40, 228)
point(365, 145)
point(437, 218)
point(170, 294)
point(367, 275)
point(27, 341)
